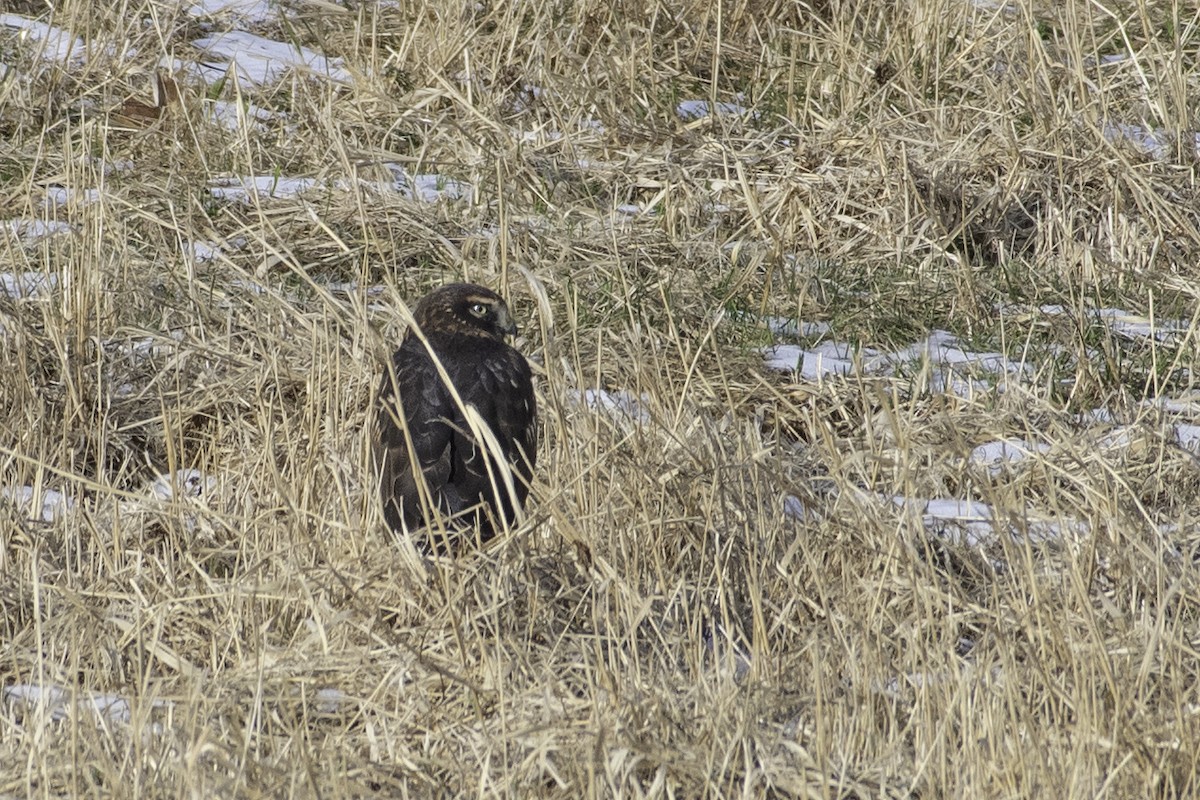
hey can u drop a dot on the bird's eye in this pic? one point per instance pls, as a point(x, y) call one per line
point(478, 310)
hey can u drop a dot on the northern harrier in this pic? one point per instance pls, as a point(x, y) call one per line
point(430, 458)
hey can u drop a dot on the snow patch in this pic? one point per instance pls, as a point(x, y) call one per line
point(698, 109)
point(942, 348)
point(1120, 438)
point(182, 483)
point(619, 404)
point(251, 287)
point(1188, 437)
point(424, 188)
point(261, 61)
point(1129, 325)
point(973, 523)
point(24, 285)
point(54, 505)
point(55, 44)
point(429, 188)
point(244, 189)
point(796, 509)
point(235, 116)
point(58, 703)
point(202, 251)
point(827, 358)
point(1153, 141)
point(144, 347)
point(950, 364)
point(248, 12)
point(1001, 454)
point(330, 701)
point(32, 230)
point(64, 195)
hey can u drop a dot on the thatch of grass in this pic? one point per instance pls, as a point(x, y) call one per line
point(659, 626)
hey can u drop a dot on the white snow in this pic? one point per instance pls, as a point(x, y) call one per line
point(1174, 405)
point(827, 358)
point(1135, 327)
point(1154, 141)
point(972, 523)
point(430, 188)
point(964, 521)
point(235, 116)
point(795, 508)
point(182, 483)
point(53, 504)
point(246, 12)
point(63, 195)
point(950, 508)
point(1187, 436)
point(1118, 438)
point(329, 701)
point(952, 368)
point(118, 167)
point(618, 404)
point(31, 230)
point(252, 287)
point(22, 285)
point(1000, 454)
point(243, 189)
point(31, 702)
point(424, 188)
point(259, 60)
point(54, 44)
point(697, 109)
point(201, 250)
point(1102, 416)
point(58, 702)
point(1131, 326)
point(144, 347)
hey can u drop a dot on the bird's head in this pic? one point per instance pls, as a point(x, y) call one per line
point(464, 309)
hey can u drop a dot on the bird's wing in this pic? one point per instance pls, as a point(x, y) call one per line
point(511, 411)
point(423, 406)
point(516, 416)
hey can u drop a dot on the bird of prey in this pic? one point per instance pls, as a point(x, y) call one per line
point(467, 458)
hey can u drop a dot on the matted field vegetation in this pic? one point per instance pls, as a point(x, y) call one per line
point(774, 549)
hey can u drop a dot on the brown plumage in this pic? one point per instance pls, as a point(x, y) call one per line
point(465, 325)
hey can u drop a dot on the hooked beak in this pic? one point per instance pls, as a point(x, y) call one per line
point(504, 321)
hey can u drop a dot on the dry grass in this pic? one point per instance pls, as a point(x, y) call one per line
point(659, 626)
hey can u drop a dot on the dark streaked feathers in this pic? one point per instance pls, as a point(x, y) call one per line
point(465, 326)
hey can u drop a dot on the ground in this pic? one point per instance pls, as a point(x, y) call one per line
point(865, 337)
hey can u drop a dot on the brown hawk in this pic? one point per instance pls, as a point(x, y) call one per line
point(429, 457)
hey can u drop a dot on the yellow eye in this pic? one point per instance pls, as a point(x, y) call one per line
point(478, 310)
